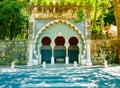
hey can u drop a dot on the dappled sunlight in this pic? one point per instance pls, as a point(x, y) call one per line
point(62, 77)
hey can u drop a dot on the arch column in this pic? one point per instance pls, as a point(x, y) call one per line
point(30, 62)
point(39, 54)
point(89, 62)
point(67, 58)
point(53, 58)
point(80, 54)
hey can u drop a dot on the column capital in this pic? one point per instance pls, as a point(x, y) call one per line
point(30, 41)
point(52, 45)
point(88, 41)
point(67, 45)
point(31, 19)
point(79, 45)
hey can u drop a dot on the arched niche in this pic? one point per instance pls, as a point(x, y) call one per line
point(59, 49)
point(46, 50)
point(59, 26)
point(59, 41)
point(46, 41)
point(73, 49)
point(73, 41)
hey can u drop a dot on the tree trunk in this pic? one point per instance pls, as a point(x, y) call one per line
point(95, 15)
point(102, 23)
point(117, 17)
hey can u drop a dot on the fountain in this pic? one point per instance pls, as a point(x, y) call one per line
point(44, 65)
point(67, 60)
point(75, 64)
point(52, 60)
point(13, 66)
point(105, 64)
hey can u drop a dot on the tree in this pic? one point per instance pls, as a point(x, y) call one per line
point(109, 17)
point(117, 18)
point(95, 14)
point(12, 21)
point(102, 15)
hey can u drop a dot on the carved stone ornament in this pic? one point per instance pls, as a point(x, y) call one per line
point(55, 11)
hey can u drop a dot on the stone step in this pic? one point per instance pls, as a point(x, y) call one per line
point(59, 85)
point(59, 65)
point(48, 81)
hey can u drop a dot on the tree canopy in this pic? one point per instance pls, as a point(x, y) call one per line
point(14, 16)
point(13, 20)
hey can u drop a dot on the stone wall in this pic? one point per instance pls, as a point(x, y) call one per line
point(17, 51)
point(103, 50)
point(13, 51)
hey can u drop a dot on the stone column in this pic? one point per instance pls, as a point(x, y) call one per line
point(67, 58)
point(88, 63)
point(30, 62)
point(52, 58)
point(39, 55)
point(80, 53)
point(30, 38)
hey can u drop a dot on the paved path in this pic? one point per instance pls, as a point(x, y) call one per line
point(61, 77)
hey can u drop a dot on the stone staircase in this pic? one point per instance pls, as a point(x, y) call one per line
point(54, 76)
point(61, 76)
point(63, 80)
